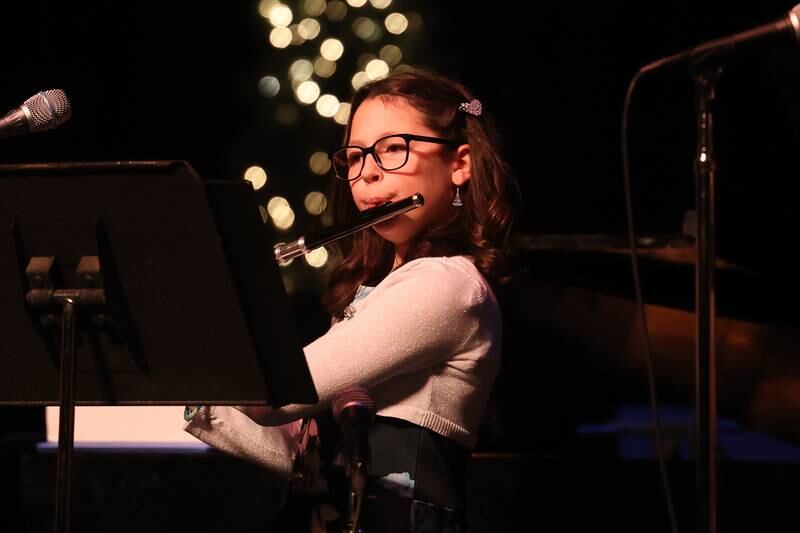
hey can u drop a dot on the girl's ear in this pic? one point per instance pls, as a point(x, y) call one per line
point(462, 165)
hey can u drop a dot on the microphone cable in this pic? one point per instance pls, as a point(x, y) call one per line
point(648, 352)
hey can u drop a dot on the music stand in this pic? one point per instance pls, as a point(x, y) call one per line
point(163, 287)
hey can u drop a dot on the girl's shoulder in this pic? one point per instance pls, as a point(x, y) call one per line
point(442, 274)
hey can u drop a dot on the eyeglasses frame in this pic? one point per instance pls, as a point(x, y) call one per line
point(408, 137)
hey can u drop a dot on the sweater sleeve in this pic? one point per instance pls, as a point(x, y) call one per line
point(417, 317)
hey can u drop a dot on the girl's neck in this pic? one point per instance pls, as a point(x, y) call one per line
point(399, 254)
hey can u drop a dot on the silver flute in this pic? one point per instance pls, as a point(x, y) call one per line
point(285, 252)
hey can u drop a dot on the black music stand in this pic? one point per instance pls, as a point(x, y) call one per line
point(163, 289)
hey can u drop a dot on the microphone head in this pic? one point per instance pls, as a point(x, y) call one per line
point(794, 20)
point(353, 396)
point(48, 110)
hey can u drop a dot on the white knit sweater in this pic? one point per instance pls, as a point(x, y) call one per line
point(425, 342)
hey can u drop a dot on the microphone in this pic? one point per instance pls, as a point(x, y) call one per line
point(785, 28)
point(354, 411)
point(42, 111)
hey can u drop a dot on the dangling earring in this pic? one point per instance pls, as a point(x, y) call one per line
point(457, 200)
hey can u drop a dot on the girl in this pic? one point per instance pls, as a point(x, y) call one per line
point(416, 322)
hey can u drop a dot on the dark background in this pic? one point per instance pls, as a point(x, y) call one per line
point(178, 80)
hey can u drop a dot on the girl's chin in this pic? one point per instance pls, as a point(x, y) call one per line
point(392, 231)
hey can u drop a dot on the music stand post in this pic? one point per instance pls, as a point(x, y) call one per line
point(173, 273)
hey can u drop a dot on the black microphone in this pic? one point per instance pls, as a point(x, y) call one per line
point(786, 28)
point(354, 410)
point(42, 111)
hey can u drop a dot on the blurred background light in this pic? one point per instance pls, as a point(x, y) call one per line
point(317, 258)
point(380, 4)
point(315, 202)
point(297, 39)
point(307, 92)
point(376, 69)
point(265, 6)
point(359, 79)
point(336, 11)
point(319, 163)
point(308, 28)
point(357, 3)
point(269, 86)
point(366, 29)
point(314, 7)
point(364, 59)
point(281, 213)
point(280, 37)
point(301, 70)
point(280, 15)
point(342, 114)
point(396, 23)
point(324, 68)
point(331, 49)
point(257, 176)
point(391, 54)
point(275, 203)
point(327, 105)
point(414, 21)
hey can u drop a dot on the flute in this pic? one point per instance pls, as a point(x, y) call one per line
point(285, 252)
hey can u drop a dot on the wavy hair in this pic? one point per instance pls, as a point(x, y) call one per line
point(482, 228)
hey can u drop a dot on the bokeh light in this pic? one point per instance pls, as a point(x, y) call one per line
point(359, 79)
point(314, 7)
point(396, 23)
point(281, 213)
point(307, 92)
point(265, 6)
point(342, 114)
point(414, 21)
point(319, 163)
point(317, 258)
point(315, 202)
point(280, 37)
point(336, 11)
point(280, 15)
point(331, 49)
point(308, 28)
point(269, 86)
point(376, 69)
point(391, 54)
point(324, 68)
point(366, 29)
point(297, 39)
point(301, 70)
point(257, 176)
point(327, 105)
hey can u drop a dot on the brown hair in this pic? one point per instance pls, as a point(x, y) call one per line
point(481, 228)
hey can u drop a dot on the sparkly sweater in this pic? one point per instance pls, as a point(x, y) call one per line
point(425, 342)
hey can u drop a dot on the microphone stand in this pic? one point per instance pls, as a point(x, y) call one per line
point(705, 78)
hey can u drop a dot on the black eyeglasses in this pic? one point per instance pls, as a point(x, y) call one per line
point(390, 153)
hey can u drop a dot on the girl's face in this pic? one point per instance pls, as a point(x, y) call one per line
point(433, 170)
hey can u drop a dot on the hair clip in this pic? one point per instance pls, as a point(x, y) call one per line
point(473, 107)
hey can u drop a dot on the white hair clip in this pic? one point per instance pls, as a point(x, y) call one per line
point(473, 107)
